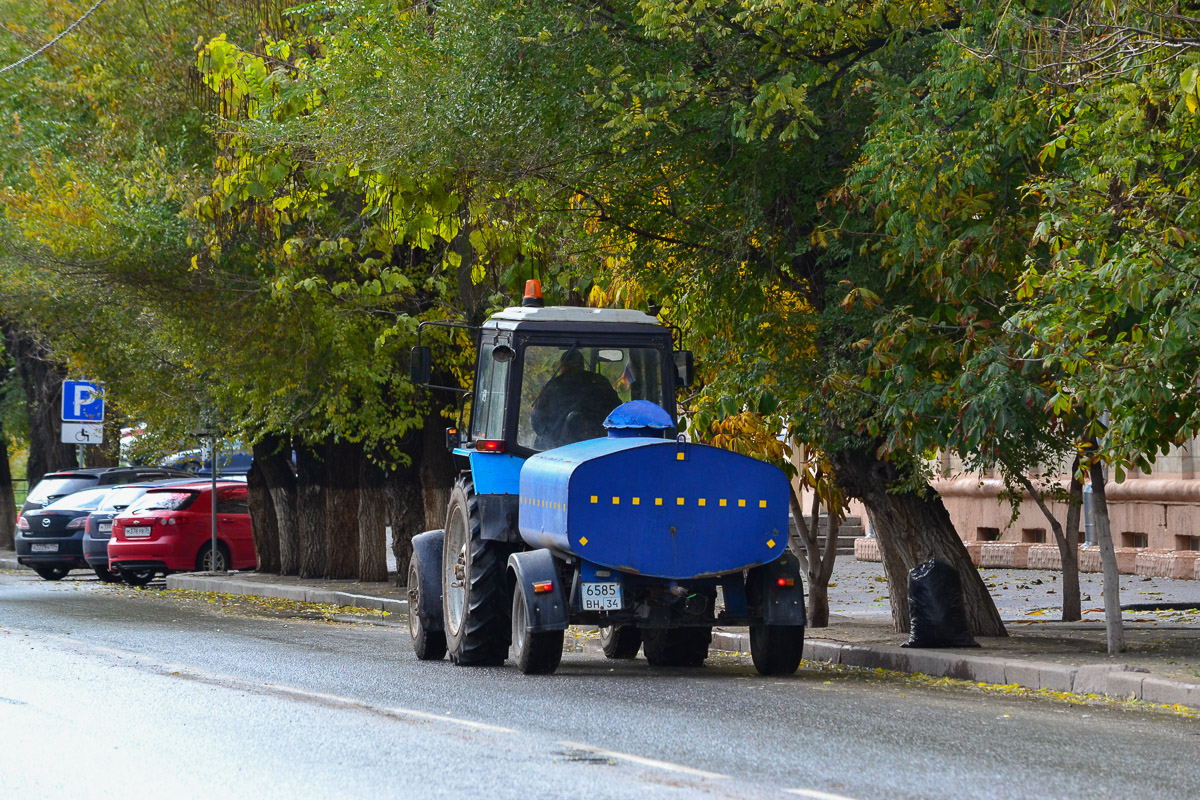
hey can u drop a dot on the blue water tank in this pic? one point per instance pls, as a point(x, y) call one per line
point(655, 507)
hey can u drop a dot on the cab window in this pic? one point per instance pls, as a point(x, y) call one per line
point(488, 422)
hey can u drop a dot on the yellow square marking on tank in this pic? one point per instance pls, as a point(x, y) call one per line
point(679, 456)
point(583, 540)
point(762, 503)
point(595, 499)
point(723, 502)
point(701, 501)
point(771, 543)
point(678, 501)
point(741, 503)
point(637, 501)
point(616, 501)
point(658, 501)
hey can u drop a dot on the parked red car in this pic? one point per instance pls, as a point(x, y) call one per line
point(170, 530)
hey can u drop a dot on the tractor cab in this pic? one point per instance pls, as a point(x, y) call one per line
point(547, 376)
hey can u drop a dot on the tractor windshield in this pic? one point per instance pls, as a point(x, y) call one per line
point(568, 390)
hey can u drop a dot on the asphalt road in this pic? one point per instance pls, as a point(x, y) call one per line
point(109, 692)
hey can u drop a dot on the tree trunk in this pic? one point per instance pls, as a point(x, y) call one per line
point(273, 461)
point(42, 378)
point(264, 523)
point(1108, 559)
point(372, 521)
point(437, 472)
point(341, 508)
point(1072, 601)
point(310, 512)
point(1067, 541)
point(817, 564)
point(913, 527)
point(406, 514)
point(8, 502)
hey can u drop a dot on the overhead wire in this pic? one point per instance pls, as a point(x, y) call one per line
point(53, 41)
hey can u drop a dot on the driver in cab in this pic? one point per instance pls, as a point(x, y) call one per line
point(573, 404)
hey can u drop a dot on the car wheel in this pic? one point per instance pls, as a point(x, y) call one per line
point(205, 562)
point(107, 575)
point(52, 573)
point(137, 577)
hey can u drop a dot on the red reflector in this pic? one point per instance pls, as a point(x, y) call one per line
point(786, 582)
point(543, 587)
point(490, 445)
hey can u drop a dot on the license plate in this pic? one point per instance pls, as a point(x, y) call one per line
point(601, 597)
point(43, 548)
point(131, 533)
point(105, 527)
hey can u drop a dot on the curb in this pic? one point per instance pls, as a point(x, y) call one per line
point(302, 594)
point(1118, 681)
point(10, 563)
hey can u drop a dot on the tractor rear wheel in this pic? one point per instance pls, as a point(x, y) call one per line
point(535, 653)
point(776, 649)
point(620, 641)
point(474, 592)
point(676, 647)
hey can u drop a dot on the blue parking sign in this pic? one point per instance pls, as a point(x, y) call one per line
point(82, 401)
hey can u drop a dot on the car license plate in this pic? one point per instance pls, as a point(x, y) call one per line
point(134, 532)
point(601, 596)
point(43, 548)
point(105, 527)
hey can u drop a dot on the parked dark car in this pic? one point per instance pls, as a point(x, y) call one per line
point(50, 539)
point(98, 528)
point(54, 485)
point(232, 463)
point(169, 529)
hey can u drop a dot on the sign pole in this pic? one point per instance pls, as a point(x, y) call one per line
point(212, 452)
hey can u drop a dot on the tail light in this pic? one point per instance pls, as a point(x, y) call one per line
point(77, 523)
point(170, 521)
point(490, 445)
point(22, 523)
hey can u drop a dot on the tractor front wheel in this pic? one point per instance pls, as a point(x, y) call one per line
point(620, 641)
point(428, 645)
point(676, 647)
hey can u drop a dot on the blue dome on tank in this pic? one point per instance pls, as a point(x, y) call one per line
point(638, 418)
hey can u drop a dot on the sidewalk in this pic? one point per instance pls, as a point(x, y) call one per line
point(1161, 665)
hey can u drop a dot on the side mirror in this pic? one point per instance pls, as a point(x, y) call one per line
point(420, 365)
point(685, 367)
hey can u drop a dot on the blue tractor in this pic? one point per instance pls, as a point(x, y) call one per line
point(576, 503)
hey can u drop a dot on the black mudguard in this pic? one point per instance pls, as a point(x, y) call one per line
point(427, 549)
point(781, 605)
point(546, 611)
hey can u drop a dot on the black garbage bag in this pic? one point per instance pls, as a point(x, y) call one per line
point(935, 607)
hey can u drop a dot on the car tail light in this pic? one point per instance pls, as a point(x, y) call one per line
point(170, 521)
point(77, 523)
point(22, 523)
